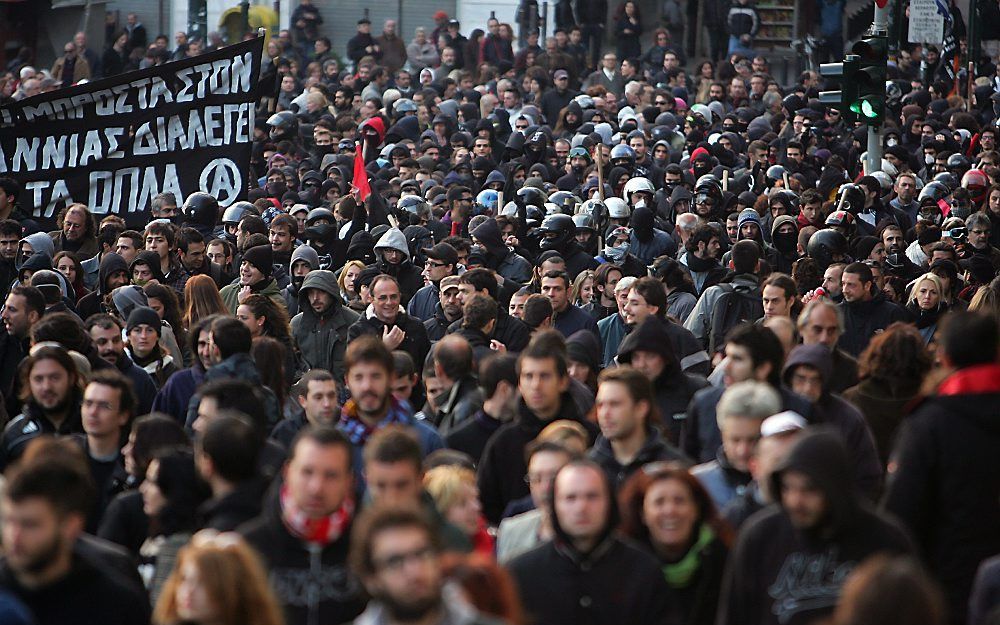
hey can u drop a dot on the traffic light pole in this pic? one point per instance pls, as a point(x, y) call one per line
point(873, 162)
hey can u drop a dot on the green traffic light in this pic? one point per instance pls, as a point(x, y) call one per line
point(868, 110)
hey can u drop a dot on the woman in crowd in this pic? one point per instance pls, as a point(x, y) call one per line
point(218, 580)
point(201, 299)
point(265, 318)
point(163, 300)
point(456, 497)
point(927, 305)
point(124, 522)
point(668, 511)
point(348, 292)
point(582, 291)
point(69, 266)
point(892, 370)
point(628, 31)
point(171, 494)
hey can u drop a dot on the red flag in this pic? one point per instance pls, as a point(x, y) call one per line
point(360, 183)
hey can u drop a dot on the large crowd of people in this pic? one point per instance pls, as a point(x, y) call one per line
point(516, 331)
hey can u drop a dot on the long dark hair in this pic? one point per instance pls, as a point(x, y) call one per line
point(183, 490)
point(273, 353)
point(153, 433)
point(171, 309)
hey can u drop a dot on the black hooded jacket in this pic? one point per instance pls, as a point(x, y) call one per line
point(503, 466)
point(946, 485)
point(615, 582)
point(836, 412)
point(93, 302)
point(780, 573)
point(674, 388)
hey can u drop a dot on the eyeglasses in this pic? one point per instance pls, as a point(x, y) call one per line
point(661, 103)
point(436, 264)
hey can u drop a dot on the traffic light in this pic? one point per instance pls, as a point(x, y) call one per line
point(873, 52)
point(844, 73)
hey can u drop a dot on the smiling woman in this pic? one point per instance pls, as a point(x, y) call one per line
point(667, 511)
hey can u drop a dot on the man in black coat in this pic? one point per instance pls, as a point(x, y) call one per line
point(303, 536)
point(866, 311)
point(791, 560)
point(591, 575)
point(544, 382)
point(946, 484)
point(386, 319)
point(45, 507)
point(227, 456)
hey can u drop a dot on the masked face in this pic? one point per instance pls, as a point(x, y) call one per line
point(616, 253)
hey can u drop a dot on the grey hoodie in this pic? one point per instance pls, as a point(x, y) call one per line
point(40, 243)
point(396, 240)
point(291, 292)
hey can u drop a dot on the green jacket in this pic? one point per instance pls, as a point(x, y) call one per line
point(322, 339)
point(231, 293)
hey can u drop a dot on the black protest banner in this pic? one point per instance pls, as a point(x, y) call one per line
point(113, 144)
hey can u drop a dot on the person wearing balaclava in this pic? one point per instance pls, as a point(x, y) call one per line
point(785, 237)
point(648, 242)
point(500, 258)
point(256, 271)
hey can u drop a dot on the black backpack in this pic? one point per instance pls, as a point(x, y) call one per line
point(737, 304)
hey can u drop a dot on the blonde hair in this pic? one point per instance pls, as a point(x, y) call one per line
point(569, 434)
point(233, 579)
point(444, 483)
point(343, 274)
point(933, 278)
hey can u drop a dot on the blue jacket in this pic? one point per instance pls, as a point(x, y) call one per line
point(423, 302)
point(612, 330)
point(723, 482)
point(574, 319)
point(238, 367)
point(176, 394)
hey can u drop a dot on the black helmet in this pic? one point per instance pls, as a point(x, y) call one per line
point(851, 198)
point(774, 173)
point(935, 190)
point(708, 187)
point(201, 208)
point(284, 125)
point(947, 178)
point(566, 201)
point(557, 231)
point(623, 156)
point(958, 164)
point(824, 245)
point(411, 204)
point(235, 212)
point(530, 196)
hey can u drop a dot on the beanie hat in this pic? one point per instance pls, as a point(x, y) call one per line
point(781, 220)
point(262, 258)
point(748, 215)
point(143, 315)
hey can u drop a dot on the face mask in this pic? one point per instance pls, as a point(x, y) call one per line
point(786, 242)
point(297, 281)
point(640, 204)
point(616, 253)
point(928, 159)
point(891, 141)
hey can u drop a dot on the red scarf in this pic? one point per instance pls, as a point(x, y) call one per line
point(320, 531)
point(972, 380)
